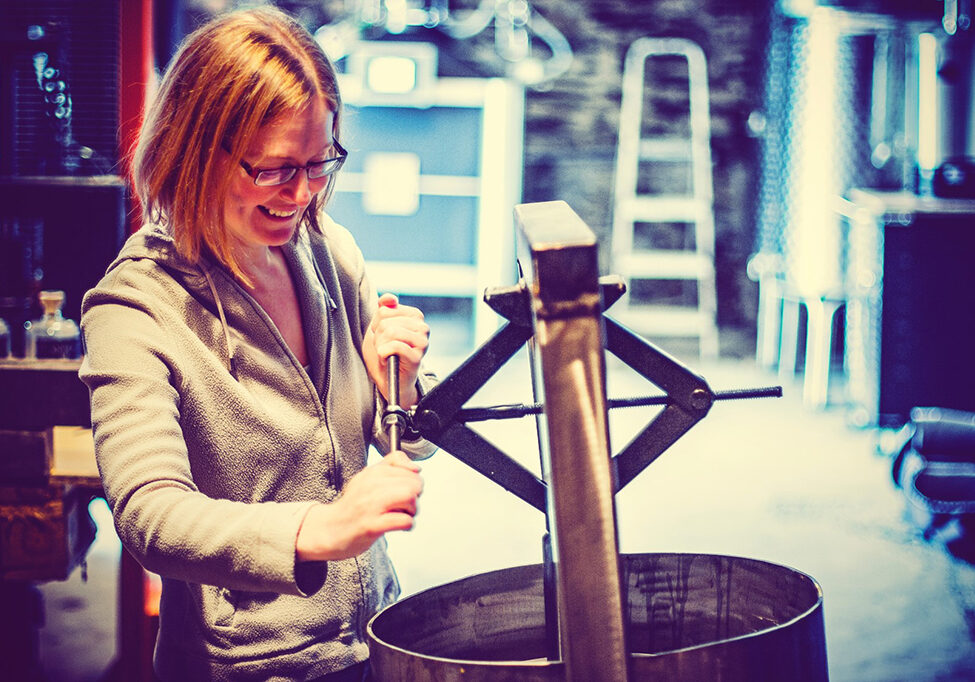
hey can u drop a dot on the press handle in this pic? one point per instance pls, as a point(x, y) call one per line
point(394, 418)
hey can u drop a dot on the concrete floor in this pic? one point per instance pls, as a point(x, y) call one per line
point(766, 479)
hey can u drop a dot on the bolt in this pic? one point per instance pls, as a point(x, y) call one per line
point(700, 399)
point(427, 422)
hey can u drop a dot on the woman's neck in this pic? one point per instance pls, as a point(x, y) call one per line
point(260, 264)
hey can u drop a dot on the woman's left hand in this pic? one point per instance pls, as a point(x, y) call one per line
point(396, 330)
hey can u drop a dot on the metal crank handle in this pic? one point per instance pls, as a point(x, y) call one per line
point(394, 419)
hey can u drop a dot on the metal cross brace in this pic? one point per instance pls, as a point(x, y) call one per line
point(441, 418)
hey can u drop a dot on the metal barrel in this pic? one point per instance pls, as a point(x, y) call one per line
point(689, 617)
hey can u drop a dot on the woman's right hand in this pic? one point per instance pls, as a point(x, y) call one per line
point(380, 498)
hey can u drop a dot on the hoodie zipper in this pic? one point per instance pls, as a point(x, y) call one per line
point(358, 617)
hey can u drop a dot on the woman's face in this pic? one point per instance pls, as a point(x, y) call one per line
point(259, 216)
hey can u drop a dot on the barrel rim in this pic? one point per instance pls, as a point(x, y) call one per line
point(817, 605)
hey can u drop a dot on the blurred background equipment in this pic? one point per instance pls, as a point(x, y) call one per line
point(527, 47)
point(860, 111)
point(53, 336)
point(909, 311)
point(429, 190)
point(61, 222)
point(59, 85)
point(947, 160)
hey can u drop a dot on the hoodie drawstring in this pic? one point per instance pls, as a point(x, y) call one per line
point(332, 305)
point(223, 322)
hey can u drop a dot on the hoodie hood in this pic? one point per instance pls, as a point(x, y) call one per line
point(156, 243)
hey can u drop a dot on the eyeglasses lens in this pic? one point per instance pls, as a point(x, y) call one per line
point(315, 171)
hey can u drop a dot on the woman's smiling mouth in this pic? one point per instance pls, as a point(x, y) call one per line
point(277, 213)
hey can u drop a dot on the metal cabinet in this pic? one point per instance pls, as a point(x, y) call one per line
point(429, 190)
point(911, 310)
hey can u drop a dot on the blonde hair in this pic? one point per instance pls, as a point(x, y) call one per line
point(229, 78)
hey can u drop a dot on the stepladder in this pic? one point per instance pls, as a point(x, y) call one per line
point(663, 207)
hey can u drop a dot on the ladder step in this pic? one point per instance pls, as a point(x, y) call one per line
point(665, 149)
point(659, 320)
point(665, 264)
point(664, 207)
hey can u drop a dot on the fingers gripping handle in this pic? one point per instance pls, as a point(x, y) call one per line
point(394, 417)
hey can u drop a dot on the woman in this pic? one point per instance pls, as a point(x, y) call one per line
point(236, 357)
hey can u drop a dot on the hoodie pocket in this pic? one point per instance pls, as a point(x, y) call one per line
point(223, 607)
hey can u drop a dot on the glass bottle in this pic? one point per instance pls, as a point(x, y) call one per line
point(4, 340)
point(53, 336)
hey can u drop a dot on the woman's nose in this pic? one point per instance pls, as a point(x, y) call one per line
point(297, 188)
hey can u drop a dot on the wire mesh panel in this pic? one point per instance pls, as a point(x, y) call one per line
point(785, 32)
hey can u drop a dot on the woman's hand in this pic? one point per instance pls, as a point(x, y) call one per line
point(396, 330)
point(380, 498)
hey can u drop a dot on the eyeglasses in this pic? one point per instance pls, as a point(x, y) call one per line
point(267, 177)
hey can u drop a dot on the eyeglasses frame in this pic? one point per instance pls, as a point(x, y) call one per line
point(255, 173)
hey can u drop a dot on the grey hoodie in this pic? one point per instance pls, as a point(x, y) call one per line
point(212, 442)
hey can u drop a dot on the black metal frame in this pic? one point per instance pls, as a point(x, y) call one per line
point(441, 418)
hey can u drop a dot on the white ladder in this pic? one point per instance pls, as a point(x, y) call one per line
point(695, 208)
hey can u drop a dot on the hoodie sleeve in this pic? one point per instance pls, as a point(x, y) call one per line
point(161, 516)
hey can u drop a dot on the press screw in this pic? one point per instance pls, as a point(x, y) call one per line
point(700, 399)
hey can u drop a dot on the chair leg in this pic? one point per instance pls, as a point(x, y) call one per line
point(789, 338)
point(819, 336)
point(769, 321)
